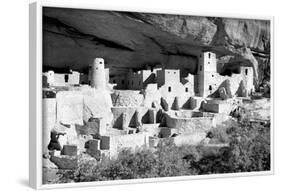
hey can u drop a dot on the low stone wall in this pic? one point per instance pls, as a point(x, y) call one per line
point(190, 125)
point(131, 141)
point(189, 114)
point(190, 139)
point(218, 107)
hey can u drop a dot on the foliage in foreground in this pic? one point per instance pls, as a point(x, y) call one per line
point(248, 150)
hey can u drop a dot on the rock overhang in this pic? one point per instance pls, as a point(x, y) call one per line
point(73, 37)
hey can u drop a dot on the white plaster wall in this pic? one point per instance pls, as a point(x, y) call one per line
point(171, 76)
point(151, 94)
point(69, 107)
point(74, 78)
point(188, 82)
point(59, 80)
point(48, 120)
point(98, 102)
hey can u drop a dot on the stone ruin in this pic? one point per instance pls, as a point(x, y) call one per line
point(104, 115)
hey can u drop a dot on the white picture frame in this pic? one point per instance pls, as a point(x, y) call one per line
point(35, 100)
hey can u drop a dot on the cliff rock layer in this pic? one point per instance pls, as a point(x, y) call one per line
point(73, 37)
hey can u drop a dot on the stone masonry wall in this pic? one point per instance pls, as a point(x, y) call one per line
point(190, 125)
point(127, 98)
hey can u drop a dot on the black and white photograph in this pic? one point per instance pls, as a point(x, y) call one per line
point(141, 95)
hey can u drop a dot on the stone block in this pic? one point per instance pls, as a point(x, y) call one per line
point(97, 125)
point(69, 150)
point(105, 143)
point(93, 147)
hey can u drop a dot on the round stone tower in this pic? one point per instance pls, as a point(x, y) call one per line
point(98, 80)
point(51, 77)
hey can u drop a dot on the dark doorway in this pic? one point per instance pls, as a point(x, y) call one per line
point(66, 77)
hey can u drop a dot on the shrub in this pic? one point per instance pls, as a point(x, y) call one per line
point(218, 135)
point(248, 150)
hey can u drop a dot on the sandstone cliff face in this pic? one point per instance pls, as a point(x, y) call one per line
point(72, 38)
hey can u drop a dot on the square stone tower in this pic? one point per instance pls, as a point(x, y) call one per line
point(207, 72)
